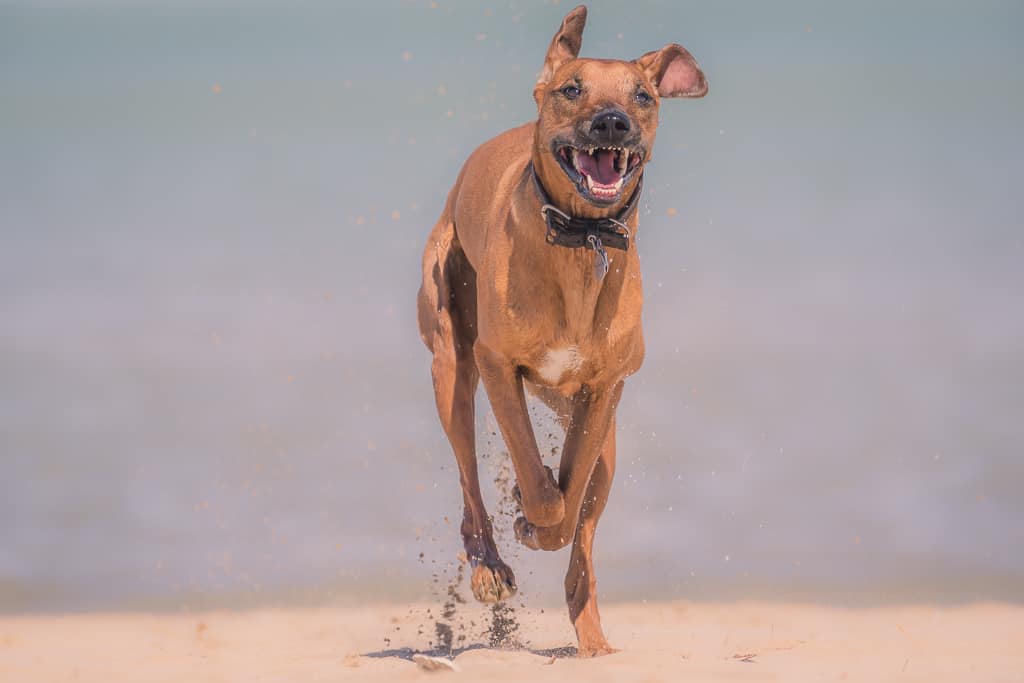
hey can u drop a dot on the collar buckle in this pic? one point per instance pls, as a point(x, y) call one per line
point(556, 220)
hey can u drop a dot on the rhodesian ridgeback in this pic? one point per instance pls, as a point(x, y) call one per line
point(531, 281)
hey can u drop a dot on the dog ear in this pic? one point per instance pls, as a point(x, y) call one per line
point(564, 46)
point(674, 72)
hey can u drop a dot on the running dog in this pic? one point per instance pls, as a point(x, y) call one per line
point(531, 281)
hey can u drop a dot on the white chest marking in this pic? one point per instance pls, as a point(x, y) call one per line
point(557, 362)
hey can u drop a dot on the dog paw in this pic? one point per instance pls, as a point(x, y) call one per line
point(539, 537)
point(494, 583)
point(590, 640)
point(550, 509)
point(526, 533)
point(595, 649)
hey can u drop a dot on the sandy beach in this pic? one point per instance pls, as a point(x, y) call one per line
point(664, 642)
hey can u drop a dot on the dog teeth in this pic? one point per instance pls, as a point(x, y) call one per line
point(622, 165)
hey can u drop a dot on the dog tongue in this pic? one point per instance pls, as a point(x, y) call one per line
point(600, 166)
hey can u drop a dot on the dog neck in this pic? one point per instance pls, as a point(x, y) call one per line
point(597, 234)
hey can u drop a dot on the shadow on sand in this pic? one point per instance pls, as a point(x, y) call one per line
point(406, 653)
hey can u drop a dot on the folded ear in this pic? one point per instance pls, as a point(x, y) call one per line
point(564, 46)
point(674, 72)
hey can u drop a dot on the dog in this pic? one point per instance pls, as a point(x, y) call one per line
point(531, 282)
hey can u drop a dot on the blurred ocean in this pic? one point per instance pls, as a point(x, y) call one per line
point(211, 215)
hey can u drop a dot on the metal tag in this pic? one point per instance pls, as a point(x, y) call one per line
point(600, 257)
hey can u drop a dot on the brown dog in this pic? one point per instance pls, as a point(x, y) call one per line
point(519, 288)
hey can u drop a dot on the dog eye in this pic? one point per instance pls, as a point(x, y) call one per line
point(571, 92)
point(643, 98)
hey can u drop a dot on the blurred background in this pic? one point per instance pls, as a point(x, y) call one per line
point(211, 220)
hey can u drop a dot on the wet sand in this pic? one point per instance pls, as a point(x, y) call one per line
point(659, 642)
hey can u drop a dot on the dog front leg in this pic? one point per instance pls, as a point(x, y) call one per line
point(593, 413)
point(541, 498)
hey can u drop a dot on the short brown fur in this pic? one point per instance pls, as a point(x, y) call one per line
point(499, 303)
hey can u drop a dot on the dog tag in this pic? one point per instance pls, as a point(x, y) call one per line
point(600, 261)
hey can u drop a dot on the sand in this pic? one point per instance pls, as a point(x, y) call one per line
point(659, 642)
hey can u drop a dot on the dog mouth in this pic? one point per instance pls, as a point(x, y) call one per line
point(598, 172)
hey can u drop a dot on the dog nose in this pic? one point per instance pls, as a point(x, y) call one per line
point(611, 125)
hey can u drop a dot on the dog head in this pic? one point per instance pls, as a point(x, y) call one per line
point(598, 117)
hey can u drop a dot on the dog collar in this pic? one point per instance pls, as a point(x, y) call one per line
point(593, 233)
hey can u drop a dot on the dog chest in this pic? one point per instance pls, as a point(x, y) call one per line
point(558, 363)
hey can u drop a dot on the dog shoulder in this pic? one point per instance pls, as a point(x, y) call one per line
point(486, 184)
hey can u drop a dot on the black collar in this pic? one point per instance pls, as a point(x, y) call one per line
point(594, 233)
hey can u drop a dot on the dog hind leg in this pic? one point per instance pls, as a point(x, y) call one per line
point(580, 582)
